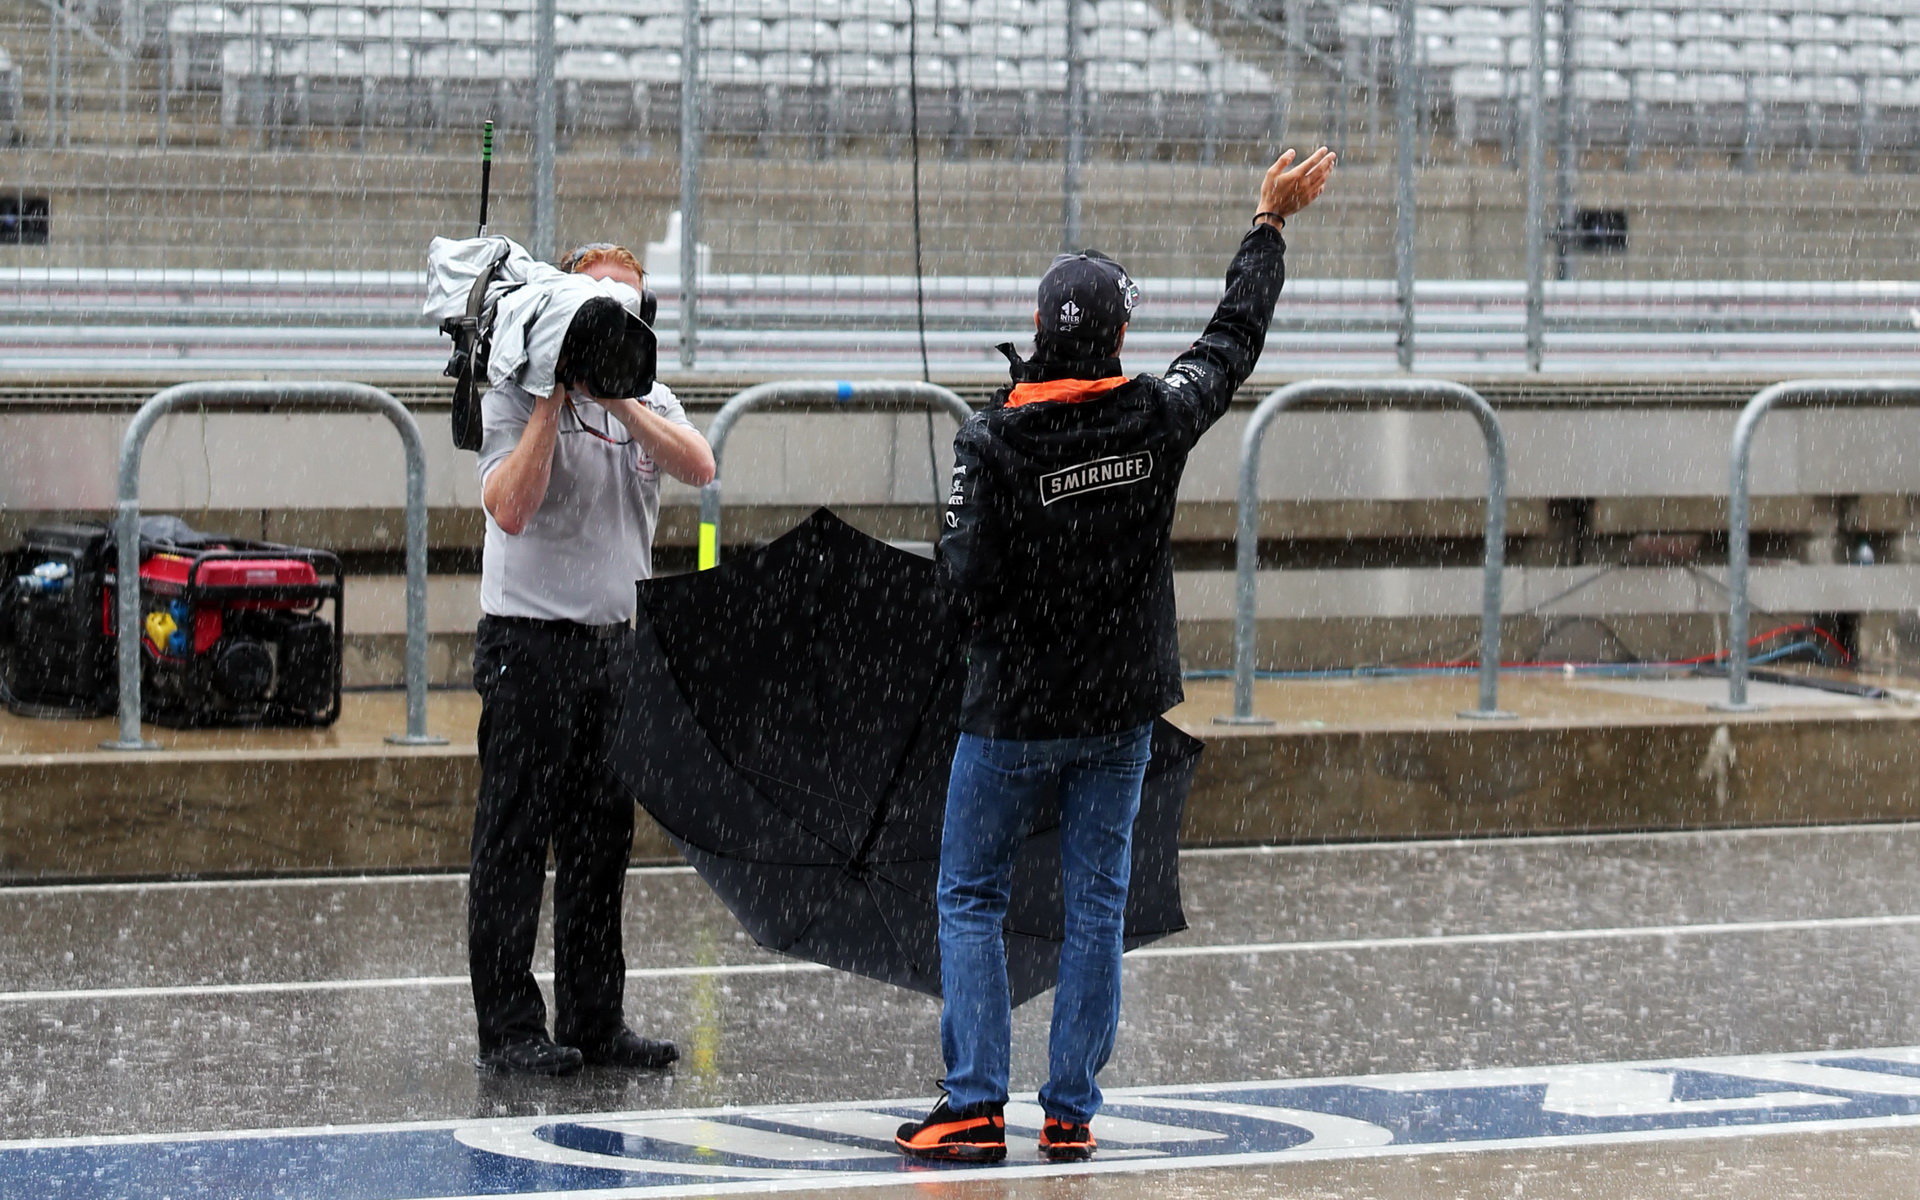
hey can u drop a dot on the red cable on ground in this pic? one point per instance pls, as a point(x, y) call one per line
point(1671, 662)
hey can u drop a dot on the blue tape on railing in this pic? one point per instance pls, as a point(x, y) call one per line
point(843, 390)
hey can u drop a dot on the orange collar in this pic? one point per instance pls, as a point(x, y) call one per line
point(1063, 391)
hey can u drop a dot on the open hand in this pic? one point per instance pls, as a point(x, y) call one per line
point(1288, 188)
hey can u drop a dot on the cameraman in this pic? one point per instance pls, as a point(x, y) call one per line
point(570, 481)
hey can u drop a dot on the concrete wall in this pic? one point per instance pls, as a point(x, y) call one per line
point(319, 209)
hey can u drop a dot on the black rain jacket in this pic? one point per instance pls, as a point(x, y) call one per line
point(1058, 542)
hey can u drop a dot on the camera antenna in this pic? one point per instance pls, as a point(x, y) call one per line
point(486, 173)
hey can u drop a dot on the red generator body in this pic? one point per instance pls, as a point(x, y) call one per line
point(237, 633)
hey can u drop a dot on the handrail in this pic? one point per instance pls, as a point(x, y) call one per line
point(877, 393)
point(267, 397)
point(1828, 392)
point(1247, 532)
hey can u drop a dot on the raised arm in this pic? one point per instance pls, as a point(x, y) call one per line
point(1219, 361)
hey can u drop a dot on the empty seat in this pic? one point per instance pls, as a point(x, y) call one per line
point(244, 69)
point(600, 31)
point(464, 83)
point(753, 10)
point(1816, 58)
point(417, 28)
point(482, 27)
point(1181, 42)
point(596, 90)
point(735, 33)
point(1813, 26)
point(1870, 30)
point(994, 42)
point(1043, 75)
point(345, 25)
point(198, 34)
point(830, 11)
point(281, 22)
point(893, 12)
point(332, 83)
point(1653, 54)
point(661, 33)
point(656, 88)
point(871, 37)
point(1367, 21)
point(1696, 24)
point(1483, 21)
point(804, 36)
point(1872, 60)
point(521, 30)
point(395, 97)
point(1117, 44)
point(1649, 23)
point(1710, 54)
point(1758, 27)
point(1765, 58)
point(1127, 14)
point(1599, 54)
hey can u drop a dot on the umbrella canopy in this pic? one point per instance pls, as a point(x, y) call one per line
point(790, 720)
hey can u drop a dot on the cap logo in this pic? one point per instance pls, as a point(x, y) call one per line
point(1069, 316)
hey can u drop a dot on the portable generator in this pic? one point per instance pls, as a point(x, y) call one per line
point(233, 632)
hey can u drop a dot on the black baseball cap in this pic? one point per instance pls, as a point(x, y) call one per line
point(1085, 300)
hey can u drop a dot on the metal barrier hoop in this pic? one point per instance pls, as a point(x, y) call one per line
point(877, 392)
point(1247, 531)
point(1829, 392)
point(263, 397)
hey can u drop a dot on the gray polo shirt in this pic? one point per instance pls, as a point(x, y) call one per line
point(592, 537)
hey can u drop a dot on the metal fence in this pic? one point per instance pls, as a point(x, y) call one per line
point(857, 143)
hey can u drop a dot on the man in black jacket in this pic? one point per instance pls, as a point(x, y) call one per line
point(1058, 548)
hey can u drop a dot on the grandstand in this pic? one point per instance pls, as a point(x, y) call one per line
point(1739, 76)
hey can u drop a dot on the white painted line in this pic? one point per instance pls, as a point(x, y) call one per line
point(181, 991)
point(1236, 950)
point(1489, 843)
point(1612, 933)
point(277, 881)
point(1525, 841)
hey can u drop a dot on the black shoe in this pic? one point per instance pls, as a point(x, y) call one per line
point(973, 1133)
point(1065, 1141)
point(630, 1051)
point(531, 1056)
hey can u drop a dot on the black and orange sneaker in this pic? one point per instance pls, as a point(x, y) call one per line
point(1064, 1141)
point(972, 1133)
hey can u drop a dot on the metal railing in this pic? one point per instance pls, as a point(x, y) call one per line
point(268, 397)
point(1833, 393)
point(1247, 533)
point(870, 393)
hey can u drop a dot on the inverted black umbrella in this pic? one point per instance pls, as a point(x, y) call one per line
point(790, 722)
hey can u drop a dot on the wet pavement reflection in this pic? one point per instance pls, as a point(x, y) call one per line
point(311, 1002)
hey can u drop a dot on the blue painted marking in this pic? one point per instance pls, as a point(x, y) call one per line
point(848, 1145)
point(843, 390)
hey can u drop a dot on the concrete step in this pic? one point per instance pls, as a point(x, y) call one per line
point(1347, 760)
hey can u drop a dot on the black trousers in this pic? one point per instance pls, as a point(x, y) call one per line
point(549, 699)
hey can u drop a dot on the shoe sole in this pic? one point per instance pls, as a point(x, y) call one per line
point(957, 1152)
point(1067, 1153)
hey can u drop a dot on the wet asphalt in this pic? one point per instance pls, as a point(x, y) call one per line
point(132, 1009)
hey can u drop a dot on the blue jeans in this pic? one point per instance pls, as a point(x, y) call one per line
point(996, 786)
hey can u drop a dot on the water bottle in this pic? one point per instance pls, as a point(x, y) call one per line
point(47, 579)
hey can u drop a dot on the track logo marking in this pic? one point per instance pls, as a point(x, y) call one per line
point(794, 1148)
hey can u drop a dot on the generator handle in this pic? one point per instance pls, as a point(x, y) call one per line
point(267, 397)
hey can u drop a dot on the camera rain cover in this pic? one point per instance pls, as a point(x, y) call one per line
point(532, 325)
